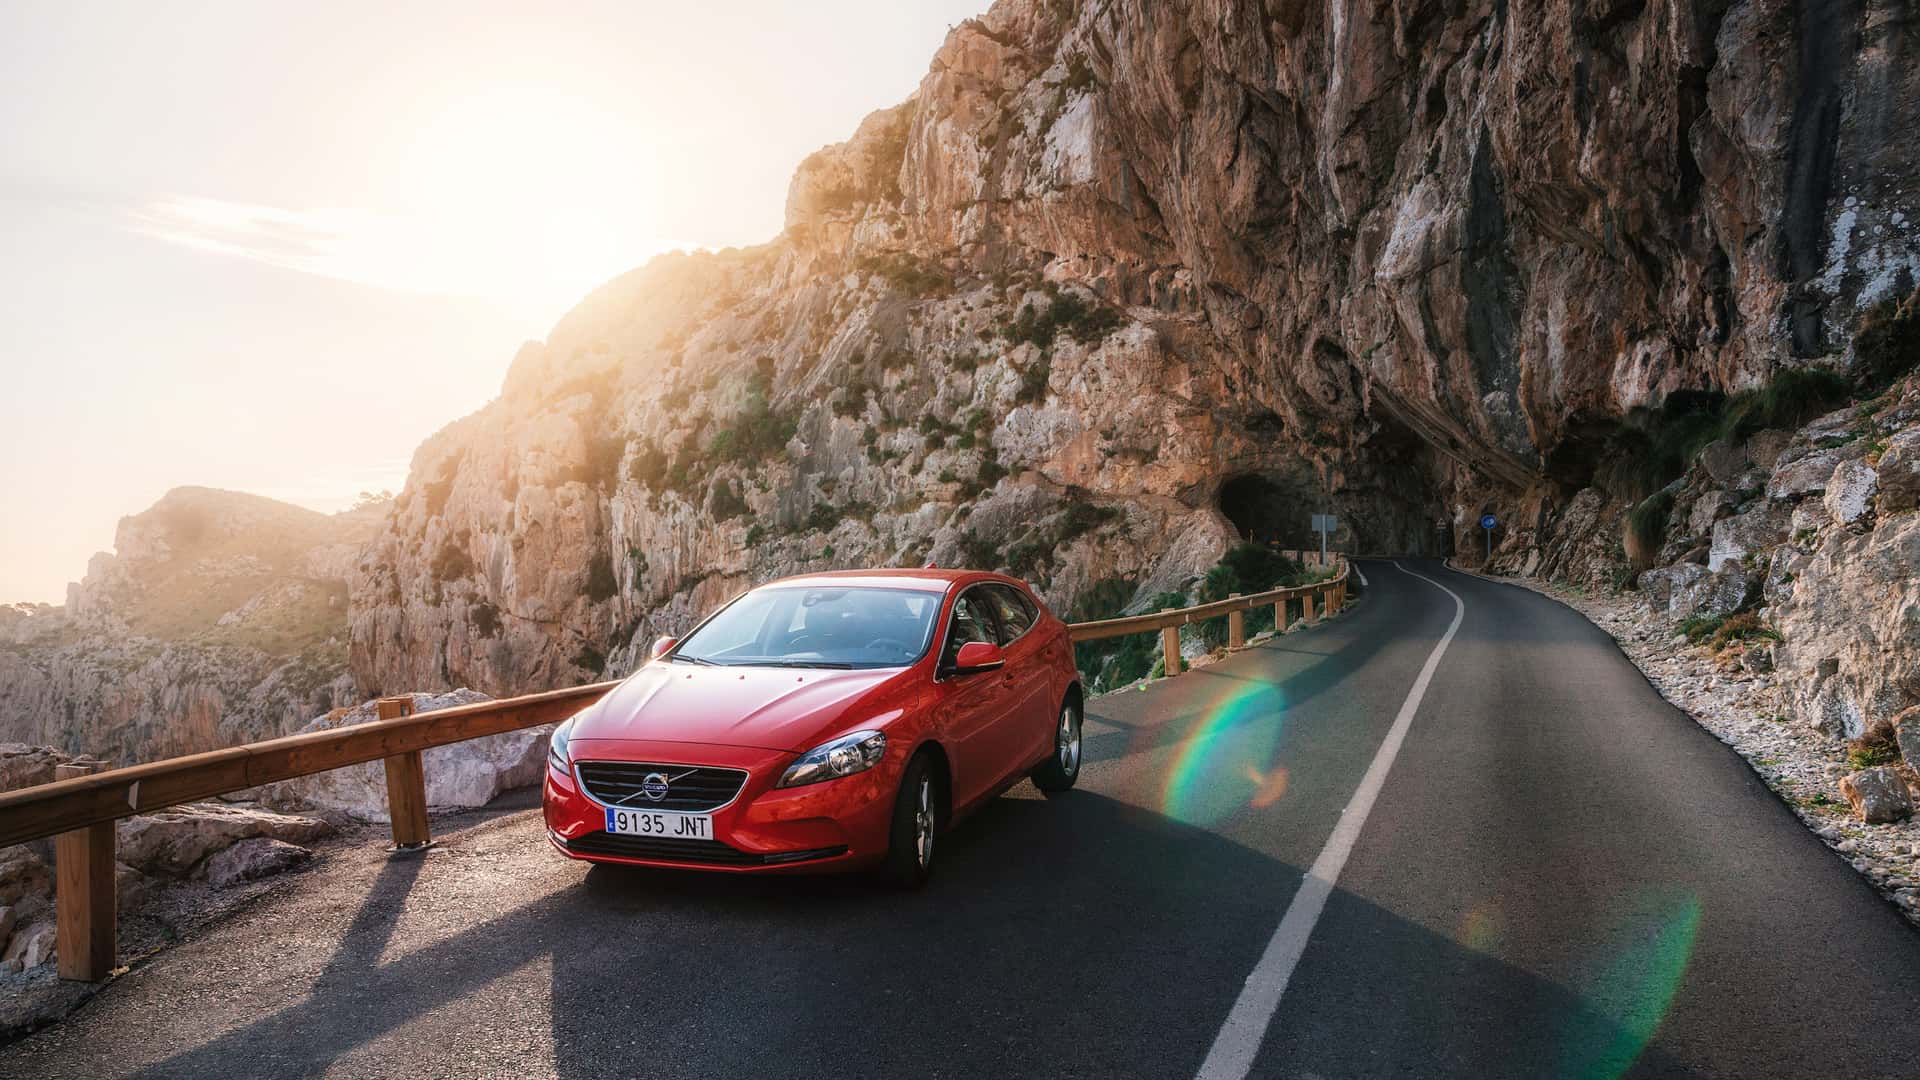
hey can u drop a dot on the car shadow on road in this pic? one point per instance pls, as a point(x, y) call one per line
point(1077, 935)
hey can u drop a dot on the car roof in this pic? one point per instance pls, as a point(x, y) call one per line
point(927, 579)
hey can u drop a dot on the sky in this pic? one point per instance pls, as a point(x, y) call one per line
point(271, 247)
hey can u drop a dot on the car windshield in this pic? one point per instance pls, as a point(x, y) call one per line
point(856, 627)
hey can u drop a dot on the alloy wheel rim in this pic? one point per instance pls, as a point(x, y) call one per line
point(923, 823)
point(1069, 741)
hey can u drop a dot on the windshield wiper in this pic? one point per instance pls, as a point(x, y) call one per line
point(701, 660)
point(799, 664)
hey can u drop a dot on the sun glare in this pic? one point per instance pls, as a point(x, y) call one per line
point(525, 196)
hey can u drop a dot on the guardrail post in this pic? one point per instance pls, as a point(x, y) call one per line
point(1280, 616)
point(84, 902)
point(1170, 647)
point(1306, 606)
point(406, 785)
point(1236, 626)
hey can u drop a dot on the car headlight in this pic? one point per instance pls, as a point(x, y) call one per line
point(844, 756)
point(557, 744)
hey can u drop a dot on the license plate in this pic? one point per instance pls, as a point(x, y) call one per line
point(656, 823)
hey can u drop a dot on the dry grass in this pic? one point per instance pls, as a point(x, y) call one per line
point(1875, 746)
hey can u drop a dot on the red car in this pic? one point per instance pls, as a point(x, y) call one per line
point(830, 721)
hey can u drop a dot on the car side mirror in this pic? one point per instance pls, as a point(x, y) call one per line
point(977, 656)
point(660, 647)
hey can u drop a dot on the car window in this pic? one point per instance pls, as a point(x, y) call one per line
point(1014, 609)
point(788, 626)
point(972, 621)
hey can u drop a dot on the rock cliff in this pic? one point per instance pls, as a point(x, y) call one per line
point(1120, 284)
point(1122, 281)
point(221, 617)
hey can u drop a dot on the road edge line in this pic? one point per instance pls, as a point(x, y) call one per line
point(1238, 1043)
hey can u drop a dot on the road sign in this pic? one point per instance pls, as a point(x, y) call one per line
point(1488, 521)
point(1324, 524)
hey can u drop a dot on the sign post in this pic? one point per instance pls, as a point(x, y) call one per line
point(1487, 522)
point(1324, 524)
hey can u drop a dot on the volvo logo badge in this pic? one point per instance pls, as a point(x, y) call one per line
point(654, 786)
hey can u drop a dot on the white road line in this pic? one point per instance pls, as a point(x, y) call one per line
point(1240, 1037)
point(1362, 575)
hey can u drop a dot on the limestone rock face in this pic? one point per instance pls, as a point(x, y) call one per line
point(1851, 618)
point(1112, 264)
point(23, 873)
point(22, 765)
point(1898, 476)
point(1757, 530)
point(1878, 795)
point(31, 946)
point(221, 618)
point(465, 774)
point(1906, 729)
point(1850, 491)
point(175, 842)
point(1806, 476)
point(1844, 591)
point(254, 858)
point(222, 844)
point(1119, 285)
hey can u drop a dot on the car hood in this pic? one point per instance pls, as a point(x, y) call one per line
point(791, 709)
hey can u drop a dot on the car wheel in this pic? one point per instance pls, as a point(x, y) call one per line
point(1059, 772)
point(916, 825)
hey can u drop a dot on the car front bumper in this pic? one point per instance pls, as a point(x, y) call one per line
point(834, 825)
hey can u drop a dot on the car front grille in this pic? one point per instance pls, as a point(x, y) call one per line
point(690, 788)
point(693, 852)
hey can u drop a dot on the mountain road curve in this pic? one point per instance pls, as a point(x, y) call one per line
point(1452, 832)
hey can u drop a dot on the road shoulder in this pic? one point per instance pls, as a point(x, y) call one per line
point(1746, 710)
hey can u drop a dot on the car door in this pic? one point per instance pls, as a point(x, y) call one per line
point(1029, 722)
point(977, 705)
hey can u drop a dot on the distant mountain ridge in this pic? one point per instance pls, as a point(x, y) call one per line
point(219, 617)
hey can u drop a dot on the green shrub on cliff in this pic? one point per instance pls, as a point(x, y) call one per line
point(1247, 569)
point(1086, 322)
point(1887, 345)
point(1647, 528)
point(1657, 446)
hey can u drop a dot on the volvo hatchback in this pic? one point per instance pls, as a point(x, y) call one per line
point(832, 721)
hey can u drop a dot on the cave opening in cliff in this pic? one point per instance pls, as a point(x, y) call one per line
point(1264, 512)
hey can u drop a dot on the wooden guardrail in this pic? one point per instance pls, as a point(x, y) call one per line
point(1330, 594)
point(80, 806)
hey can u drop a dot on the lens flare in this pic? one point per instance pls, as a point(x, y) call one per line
point(1631, 993)
point(1480, 929)
point(1226, 761)
point(1269, 788)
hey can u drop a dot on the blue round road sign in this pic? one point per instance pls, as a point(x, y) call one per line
point(1488, 521)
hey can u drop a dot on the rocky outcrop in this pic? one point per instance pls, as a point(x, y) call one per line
point(1123, 281)
point(223, 845)
point(221, 618)
point(1821, 554)
point(1119, 285)
point(252, 859)
point(177, 843)
point(1878, 795)
point(464, 774)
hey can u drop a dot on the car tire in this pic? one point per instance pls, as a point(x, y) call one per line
point(916, 825)
point(1061, 771)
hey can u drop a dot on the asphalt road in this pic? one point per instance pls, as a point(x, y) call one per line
point(1561, 876)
